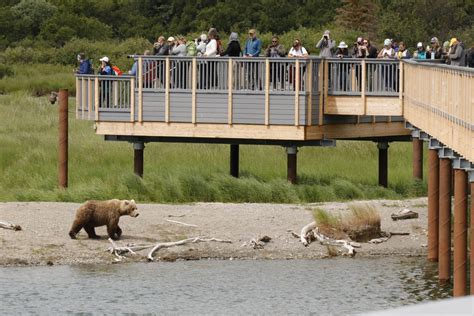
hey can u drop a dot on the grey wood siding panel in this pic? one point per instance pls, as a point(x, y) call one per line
point(339, 119)
point(398, 119)
point(248, 109)
point(315, 110)
point(181, 107)
point(111, 116)
point(153, 106)
point(211, 108)
point(381, 119)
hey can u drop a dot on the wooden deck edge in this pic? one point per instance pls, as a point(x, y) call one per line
point(257, 132)
point(241, 131)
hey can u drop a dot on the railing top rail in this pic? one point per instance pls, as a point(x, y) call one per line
point(367, 60)
point(106, 77)
point(220, 58)
point(437, 65)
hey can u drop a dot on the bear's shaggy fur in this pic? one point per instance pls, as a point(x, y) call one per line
point(99, 213)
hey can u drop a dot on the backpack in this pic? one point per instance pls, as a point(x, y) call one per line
point(116, 71)
point(220, 49)
point(191, 49)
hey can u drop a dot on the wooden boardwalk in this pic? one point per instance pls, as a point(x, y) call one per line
point(307, 102)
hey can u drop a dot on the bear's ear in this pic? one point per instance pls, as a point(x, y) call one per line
point(132, 201)
point(126, 202)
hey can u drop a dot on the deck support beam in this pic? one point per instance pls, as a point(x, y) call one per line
point(418, 158)
point(433, 204)
point(444, 245)
point(138, 148)
point(234, 160)
point(460, 232)
point(383, 163)
point(291, 164)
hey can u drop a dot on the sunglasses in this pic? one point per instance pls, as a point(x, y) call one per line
point(274, 41)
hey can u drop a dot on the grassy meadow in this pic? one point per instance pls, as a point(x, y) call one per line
point(175, 173)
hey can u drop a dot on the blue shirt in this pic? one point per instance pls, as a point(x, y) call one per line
point(253, 47)
point(107, 70)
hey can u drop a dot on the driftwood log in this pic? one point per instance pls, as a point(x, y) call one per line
point(119, 251)
point(311, 232)
point(9, 226)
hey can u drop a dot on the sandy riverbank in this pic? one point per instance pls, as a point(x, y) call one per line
point(44, 238)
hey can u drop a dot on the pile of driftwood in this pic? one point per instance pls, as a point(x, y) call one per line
point(120, 251)
point(311, 233)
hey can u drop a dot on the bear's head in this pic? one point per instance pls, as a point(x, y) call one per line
point(129, 208)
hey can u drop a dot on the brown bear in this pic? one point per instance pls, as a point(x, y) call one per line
point(99, 213)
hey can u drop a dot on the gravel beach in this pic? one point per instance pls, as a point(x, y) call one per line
point(44, 238)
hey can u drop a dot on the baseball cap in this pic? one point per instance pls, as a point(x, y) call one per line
point(105, 58)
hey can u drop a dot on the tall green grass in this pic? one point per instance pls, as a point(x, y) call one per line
point(179, 173)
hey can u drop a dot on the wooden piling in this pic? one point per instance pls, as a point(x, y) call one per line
point(433, 205)
point(63, 139)
point(460, 233)
point(417, 158)
point(444, 244)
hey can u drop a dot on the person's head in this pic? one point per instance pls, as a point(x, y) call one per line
point(234, 37)
point(401, 46)
point(326, 34)
point(170, 40)
point(275, 41)
point(453, 42)
point(359, 40)
point(147, 52)
point(434, 42)
point(212, 34)
point(342, 45)
point(105, 60)
point(297, 43)
point(446, 46)
point(419, 46)
point(161, 39)
point(81, 57)
point(387, 43)
point(203, 37)
point(366, 42)
point(181, 40)
point(252, 33)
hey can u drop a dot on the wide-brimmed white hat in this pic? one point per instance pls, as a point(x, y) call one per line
point(105, 58)
point(420, 44)
point(342, 45)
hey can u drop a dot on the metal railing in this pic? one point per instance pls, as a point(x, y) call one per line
point(373, 77)
point(104, 93)
point(212, 74)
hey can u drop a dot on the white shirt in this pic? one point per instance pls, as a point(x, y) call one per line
point(211, 48)
point(298, 53)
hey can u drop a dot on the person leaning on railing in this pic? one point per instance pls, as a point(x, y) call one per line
point(456, 53)
point(436, 51)
point(275, 49)
point(233, 48)
point(403, 52)
point(367, 50)
point(387, 52)
point(253, 45)
point(180, 48)
point(326, 45)
point(342, 50)
point(160, 47)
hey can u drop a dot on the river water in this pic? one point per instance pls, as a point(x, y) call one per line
point(332, 286)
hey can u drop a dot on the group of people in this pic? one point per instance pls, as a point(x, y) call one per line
point(451, 52)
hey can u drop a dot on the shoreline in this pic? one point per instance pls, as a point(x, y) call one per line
point(44, 238)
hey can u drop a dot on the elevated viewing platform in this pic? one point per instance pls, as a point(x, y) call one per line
point(252, 99)
point(293, 102)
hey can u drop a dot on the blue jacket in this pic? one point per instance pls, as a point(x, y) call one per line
point(253, 47)
point(85, 67)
